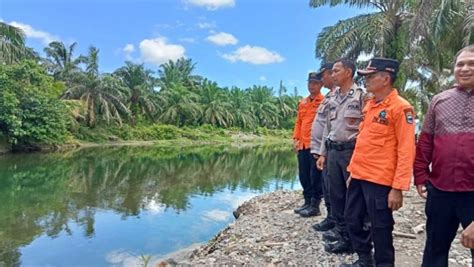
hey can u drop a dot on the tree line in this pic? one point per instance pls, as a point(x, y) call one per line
point(132, 94)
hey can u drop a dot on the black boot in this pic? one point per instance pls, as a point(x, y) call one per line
point(365, 260)
point(332, 235)
point(312, 209)
point(341, 246)
point(326, 225)
point(307, 202)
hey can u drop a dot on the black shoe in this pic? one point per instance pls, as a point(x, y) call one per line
point(326, 225)
point(312, 209)
point(365, 260)
point(342, 246)
point(332, 236)
point(306, 204)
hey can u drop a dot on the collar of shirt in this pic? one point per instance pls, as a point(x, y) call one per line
point(464, 90)
point(387, 99)
point(338, 95)
point(317, 97)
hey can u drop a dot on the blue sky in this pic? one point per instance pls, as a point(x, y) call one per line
point(234, 42)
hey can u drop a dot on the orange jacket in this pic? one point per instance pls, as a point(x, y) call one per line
point(385, 148)
point(306, 111)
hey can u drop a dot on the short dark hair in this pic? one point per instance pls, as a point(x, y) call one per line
point(347, 64)
point(469, 48)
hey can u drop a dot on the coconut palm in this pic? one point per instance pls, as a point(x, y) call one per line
point(140, 83)
point(12, 45)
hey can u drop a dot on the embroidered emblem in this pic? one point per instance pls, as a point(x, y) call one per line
point(409, 116)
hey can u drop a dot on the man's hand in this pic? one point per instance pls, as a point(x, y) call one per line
point(422, 191)
point(395, 199)
point(295, 145)
point(320, 162)
point(467, 236)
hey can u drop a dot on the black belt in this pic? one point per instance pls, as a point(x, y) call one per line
point(340, 146)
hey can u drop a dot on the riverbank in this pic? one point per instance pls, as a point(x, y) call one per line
point(158, 135)
point(268, 233)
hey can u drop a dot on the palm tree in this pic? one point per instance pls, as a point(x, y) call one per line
point(178, 105)
point(382, 33)
point(59, 60)
point(216, 109)
point(242, 109)
point(263, 106)
point(140, 83)
point(104, 96)
point(179, 71)
point(12, 44)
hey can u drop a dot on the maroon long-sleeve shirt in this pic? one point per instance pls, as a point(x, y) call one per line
point(447, 142)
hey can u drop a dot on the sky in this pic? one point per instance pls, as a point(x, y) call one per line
point(233, 42)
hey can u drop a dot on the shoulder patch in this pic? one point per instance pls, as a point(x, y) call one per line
point(409, 115)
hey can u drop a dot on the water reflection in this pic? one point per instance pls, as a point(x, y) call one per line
point(126, 190)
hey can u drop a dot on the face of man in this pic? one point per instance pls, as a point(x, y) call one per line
point(314, 87)
point(376, 82)
point(327, 79)
point(464, 69)
point(340, 74)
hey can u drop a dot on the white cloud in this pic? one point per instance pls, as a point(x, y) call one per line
point(212, 4)
point(158, 51)
point(222, 39)
point(254, 55)
point(128, 50)
point(206, 25)
point(33, 33)
point(236, 200)
point(217, 215)
point(263, 78)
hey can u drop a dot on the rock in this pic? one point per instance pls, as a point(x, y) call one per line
point(419, 228)
point(268, 233)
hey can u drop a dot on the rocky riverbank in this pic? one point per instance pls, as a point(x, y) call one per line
point(269, 233)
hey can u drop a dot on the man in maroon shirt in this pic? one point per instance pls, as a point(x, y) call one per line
point(447, 144)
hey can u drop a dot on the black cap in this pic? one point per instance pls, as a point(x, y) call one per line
point(314, 76)
point(325, 67)
point(377, 64)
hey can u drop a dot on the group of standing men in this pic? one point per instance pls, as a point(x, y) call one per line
point(356, 149)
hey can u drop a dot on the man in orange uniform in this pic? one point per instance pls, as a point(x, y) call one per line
point(310, 177)
point(381, 166)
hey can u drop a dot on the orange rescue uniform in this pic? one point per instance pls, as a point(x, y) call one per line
point(306, 111)
point(385, 148)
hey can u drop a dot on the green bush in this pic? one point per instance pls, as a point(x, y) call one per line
point(30, 112)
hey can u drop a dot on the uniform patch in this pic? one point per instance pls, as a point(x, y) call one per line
point(383, 114)
point(409, 116)
point(353, 106)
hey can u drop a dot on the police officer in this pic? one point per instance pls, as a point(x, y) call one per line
point(340, 131)
point(310, 176)
point(381, 166)
point(316, 137)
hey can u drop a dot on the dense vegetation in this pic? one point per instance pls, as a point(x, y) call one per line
point(49, 100)
point(424, 35)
